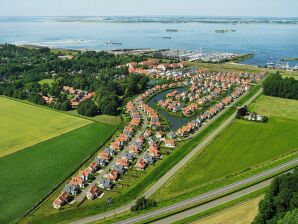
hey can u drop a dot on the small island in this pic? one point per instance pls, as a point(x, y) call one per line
point(172, 30)
point(224, 31)
point(290, 59)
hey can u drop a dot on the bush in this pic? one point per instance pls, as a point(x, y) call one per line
point(143, 203)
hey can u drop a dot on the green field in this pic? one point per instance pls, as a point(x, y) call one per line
point(30, 174)
point(103, 118)
point(23, 125)
point(46, 81)
point(243, 145)
point(274, 106)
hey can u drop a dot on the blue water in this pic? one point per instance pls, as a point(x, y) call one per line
point(175, 122)
point(269, 40)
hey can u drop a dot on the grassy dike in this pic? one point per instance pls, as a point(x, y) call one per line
point(147, 179)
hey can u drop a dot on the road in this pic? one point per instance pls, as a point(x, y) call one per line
point(164, 179)
point(210, 195)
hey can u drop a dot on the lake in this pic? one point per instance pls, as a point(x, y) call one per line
point(268, 39)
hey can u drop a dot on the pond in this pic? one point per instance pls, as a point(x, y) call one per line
point(175, 122)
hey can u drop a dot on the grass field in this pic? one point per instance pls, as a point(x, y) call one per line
point(243, 213)
point(274, 106)
point(107, 119)
point(243, 145)
point(23, 125)
point(30, 174)
point(46, 81)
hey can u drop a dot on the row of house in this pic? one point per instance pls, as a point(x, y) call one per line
point(101, 160)
point(211, 112)
point(134, 148)
point(75, 185)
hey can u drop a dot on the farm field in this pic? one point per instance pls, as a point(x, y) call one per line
point(243, 145)
point(32, 173)
point(243, 213)
point(103, 118)
point(23, 125)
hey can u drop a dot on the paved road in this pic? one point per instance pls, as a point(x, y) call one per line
point(209, 195)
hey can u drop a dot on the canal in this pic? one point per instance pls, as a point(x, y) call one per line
point(175, 122)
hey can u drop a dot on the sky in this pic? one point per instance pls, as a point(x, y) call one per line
point(274, 8)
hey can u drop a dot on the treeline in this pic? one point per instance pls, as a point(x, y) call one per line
point(280, 204)
point(21, 69)
point(277, 86)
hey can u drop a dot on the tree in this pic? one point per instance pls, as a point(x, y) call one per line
point(280, 198)
point(37, 99)
point(290, 218)
point(241, 112)
point(143, 203)
point(87, 108)
point(109, 104)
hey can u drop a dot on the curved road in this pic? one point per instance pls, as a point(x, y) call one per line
point(165, 178)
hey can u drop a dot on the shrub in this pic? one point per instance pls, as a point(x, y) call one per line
point(143, 203)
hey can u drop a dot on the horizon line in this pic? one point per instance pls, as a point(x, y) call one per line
point(198, 16)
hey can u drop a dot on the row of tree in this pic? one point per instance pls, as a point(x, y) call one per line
point(280, 205)
point(277, 86)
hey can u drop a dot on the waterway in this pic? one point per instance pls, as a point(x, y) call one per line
point(175, 122)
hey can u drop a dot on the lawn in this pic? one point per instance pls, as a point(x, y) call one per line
point(46, 81)
point(30, 174)
point(243, 213)
point(241, 146)
point(23, 125)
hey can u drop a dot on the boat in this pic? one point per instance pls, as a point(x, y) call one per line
point(166, 37)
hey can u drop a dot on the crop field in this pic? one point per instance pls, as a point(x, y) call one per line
point(241, 146)
point(30, 174)
point(243, 213)
point(23, 125)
